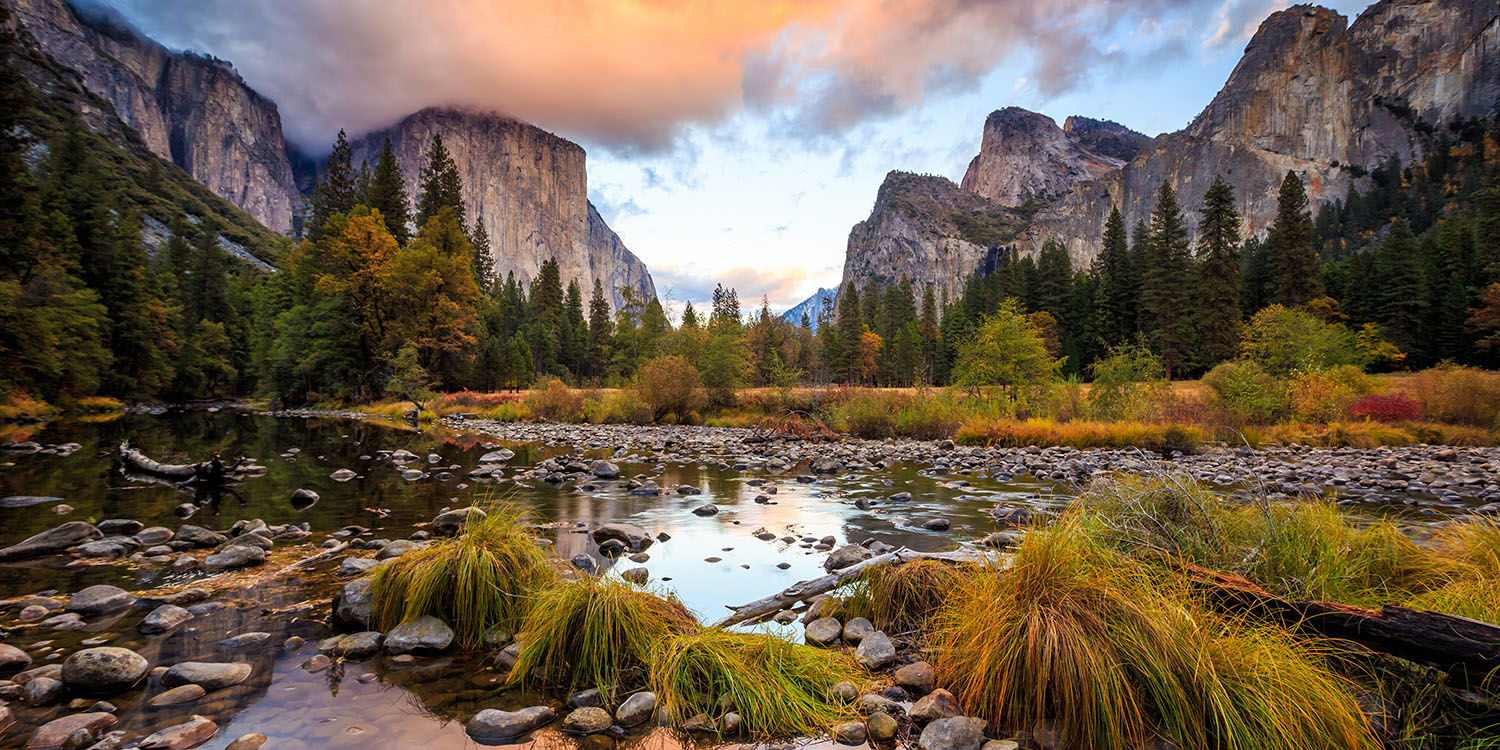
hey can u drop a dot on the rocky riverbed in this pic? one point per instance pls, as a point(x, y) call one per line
point(140, 613)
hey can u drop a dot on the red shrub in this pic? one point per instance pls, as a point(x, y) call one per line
point(1386, 407)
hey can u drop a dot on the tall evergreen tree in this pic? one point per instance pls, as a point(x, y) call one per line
point(1165, 286)
point(440, 185)
point(1116, 295)
point(601, 331)
point(1218, 288)
point(851, 329)
point(929, 335)
point(337, 189)
point(484, 262)
point(387, 195)
point(1294, 263)
point(1140, 239)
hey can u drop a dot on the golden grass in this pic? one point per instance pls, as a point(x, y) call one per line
point(486, 576)
point(1012, 433)
point(779, 689)
point(19, 406)
point(1081, 636)
point(901, 598)
point(1473, 590)
point(596, 633)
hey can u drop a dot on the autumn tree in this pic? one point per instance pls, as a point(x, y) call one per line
point(1006, 351)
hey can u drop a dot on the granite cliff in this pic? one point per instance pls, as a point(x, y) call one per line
point(529, 186)
point(190, 109)
point(1312, 94)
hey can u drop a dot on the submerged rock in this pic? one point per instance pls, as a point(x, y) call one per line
point(164, 618)
point(100, 600)
point(51, 541)
point(210, 676)
point(103, 671)
point(587, 720)
point(69, 730)
point(190, 733)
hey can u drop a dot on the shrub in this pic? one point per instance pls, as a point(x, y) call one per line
point(1386, 407)
point(669, 385)
point(1322, 395)
point(556, 402)
point(596, 633)
point(1246, 391)
point(616, 407)
point(1077, 635)
point(868, 416)
point(1126, 383)
point(1458, 395)
point(1284, 340)
point(484, 577)
point(1011, 433)
point(779, 689)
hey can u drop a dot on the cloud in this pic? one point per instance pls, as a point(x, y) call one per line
point(633, 74)
point(782, 286)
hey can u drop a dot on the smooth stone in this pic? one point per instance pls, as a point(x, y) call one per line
point(633, 537)
point(103, 670)
point(637, 576)
point(494, 724)
point(245, 640)
point(845, 692)
point(317, 663)
point(451, 522)
point(869, 703)
point(247, 742)
point(397, 548)
point(152, 536)
point(584, 564)
point(41, 691)
point(845, 556)
point(916, 677)
point(706, 510)
point(199, 536)
point(353, 566)
point(98, 600)
point(191, 733)
point(637, 709)
point(953, 733)
point(51, 541)
point(938, 704)
point(425, 633)
point(180, 694)
point(13, 659)
point(210, 675)
point(342, 475)
point(163, 619)
point(352, 606)
point(850, 733)
point(587, 720)
point(1013, 745)
point(58, 732)
point(855, 630)
point(234, 557)
point(880, 727)
point(352, 646)
point(825, 631)
point(876, 652)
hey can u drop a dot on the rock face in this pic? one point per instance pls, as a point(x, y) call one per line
point(190, 109)
point(1024, 156)
point(929, 230)
point(1312, 94)
point(529, 186)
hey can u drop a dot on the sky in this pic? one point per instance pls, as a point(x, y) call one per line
point(728, 141)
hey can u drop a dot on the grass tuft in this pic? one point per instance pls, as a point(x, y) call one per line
point(596, 633)
point(485, 576)
point(779, 689)
point(900, 598)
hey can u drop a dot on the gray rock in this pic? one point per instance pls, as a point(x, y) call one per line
point(584, 563)
point(41, 691)
point(342, 475)
point(850, 733)
point(845, 556)
point(605, 470)
point(234, 557)
point(876, 652)
point(210, 676)
point(351, 606)
point(164, 618)
point(353, 566)
point(425, 633)
point(953, 733)
point(154, 536)
point(498, 456)
point(584, 698)
point(880, 727)
point(637, 576)
point(637, 709)
point(51, 541)
point(855, 630)
point(936, 524)
point(633, 537)
point(352, 646)
point(587, 720)
point(493, 724)
point(119, 526)
point(103, 671)
point(823, 632)
point(178, 695)
point(870, 703)
point(199, 536)
point(938, 704)
point(397, 548)
point(246, 640)
point(452, 522)
point(708, 509)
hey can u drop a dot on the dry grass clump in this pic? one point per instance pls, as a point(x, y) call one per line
point(901, 598)
point(1082, 636)
point(779, 689)
point(596, 633)
point(1473, 589)
point(485, 576)
point(1012, 433)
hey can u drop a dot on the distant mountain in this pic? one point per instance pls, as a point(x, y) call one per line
point(1312, 94)
point(811, 307)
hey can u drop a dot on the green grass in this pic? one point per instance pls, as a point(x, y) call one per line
point(596, 633)
point(901, 598)
point(486, 576)
point(778, 688)
point(1075, 633)
point(1473, 589)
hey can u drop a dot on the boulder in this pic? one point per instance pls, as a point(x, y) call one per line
point(823, 632)
point(452, 522)
point(105, 670)
point(234, 557)
point(953, 733)
point(845, 556)
point(637, 709)
point(634, 538)
point(938, 704)
point(425, 633)
point(876, 652)
point(351, 606)
point(191, 733)
point(163, 619)
point(493, 724)
point(98, 600)
point(51, 541)
point(210, 676)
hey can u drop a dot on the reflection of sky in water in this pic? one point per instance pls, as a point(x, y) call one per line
point(408, 707)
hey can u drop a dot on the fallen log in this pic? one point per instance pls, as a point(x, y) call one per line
point(805, 590)
point(1468, 650)
point(212, 471)
point(308, 562)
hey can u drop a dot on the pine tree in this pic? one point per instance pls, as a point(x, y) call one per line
point(1165, 287)
point(929, 335)
point(1218, 286)
point(601, 331)
point(1294, 263)
point(387, 195)
point(440, 185)
point(1115, 301)
point(484, 262)
point(689, 317)
point(1054, 276)
point(336, 192)
point(1134, 285)
point(851, 329)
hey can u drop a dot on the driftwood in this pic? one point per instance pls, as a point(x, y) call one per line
point(308, 562)
point(805, 590)
point(1468, 650)
point(211, 472)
